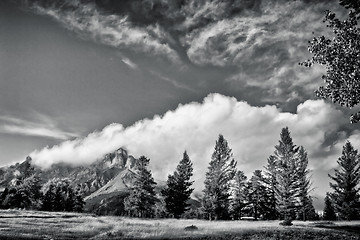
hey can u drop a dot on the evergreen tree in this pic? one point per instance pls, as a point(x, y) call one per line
point(346, 191)
point(78, 203)
point(142, 198)
point(329, 211)
point(286, 191)
point(240, 195)
point(59, 195)
point(304, 182)
point(256, 195)
point(270, 184)
point(178, 191)
point(221, 171)
point(307, 210)
point(48, 200)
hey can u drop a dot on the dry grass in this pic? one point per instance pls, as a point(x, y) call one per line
point(16, 224)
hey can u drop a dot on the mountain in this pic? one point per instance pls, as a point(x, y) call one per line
point(87, 179)
point(104, 184)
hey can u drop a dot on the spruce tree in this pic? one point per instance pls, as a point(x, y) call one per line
point(221, 171)
point(178, 191)
point(329, 211)
point(304, 182)
point(240, 195)
point(257, 195)
point(308, 210)
point(286, 191)
point(270, 184)
point(142, 198)
point(346, 191)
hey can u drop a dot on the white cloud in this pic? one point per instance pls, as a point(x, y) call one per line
point(41, 126)
point(128, 62)
point(252, 133)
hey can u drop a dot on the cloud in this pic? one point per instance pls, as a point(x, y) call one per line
point(89, 21)
point(252, 133)
point(170, 80)
point(41, 126)
point(128, 62)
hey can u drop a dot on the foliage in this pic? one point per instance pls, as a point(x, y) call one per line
point(257, 195)
point(270, 184)
point(240, 195)
point(346, 197)
point(221, 171)
point(352, 4)
point(286, 191)
point(59, 195)
point(304, 185)
point(340, 55)
point(178, 191)
point(329, 211)
point(24, 194)
point(142, 196)
point(307, 210)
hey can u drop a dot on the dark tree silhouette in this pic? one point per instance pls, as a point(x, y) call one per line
point(178, 191)
point(329, 211)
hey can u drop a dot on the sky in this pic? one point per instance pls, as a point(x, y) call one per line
point(79, 79)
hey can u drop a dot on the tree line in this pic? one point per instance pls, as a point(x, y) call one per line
point(280, 191)
point(27, 192)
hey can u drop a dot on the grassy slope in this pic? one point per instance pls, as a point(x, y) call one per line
point(44, 225)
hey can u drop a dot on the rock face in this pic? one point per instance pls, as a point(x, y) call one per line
point(87, 179)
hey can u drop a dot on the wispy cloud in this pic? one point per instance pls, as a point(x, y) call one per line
point(128, 62)
point(111, 29)
point(170, 80)
point(40, 126)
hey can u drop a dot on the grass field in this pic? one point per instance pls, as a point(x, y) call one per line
point(17, 224)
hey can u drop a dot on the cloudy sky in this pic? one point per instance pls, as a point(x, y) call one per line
point(79, 79)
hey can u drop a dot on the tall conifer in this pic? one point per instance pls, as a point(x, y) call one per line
point(142, 198)
point(346, 187)
point(221, 171)
point(178, 191)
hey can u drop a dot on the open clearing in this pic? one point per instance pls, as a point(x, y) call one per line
point(18, 224)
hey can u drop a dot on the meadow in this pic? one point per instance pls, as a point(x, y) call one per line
point(21, 224)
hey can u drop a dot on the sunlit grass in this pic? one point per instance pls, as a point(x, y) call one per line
point(19, 224)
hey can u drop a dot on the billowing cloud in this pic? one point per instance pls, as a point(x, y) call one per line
point(252, 133)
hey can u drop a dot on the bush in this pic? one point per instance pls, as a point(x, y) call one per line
point(191, 228)
point(286, 222)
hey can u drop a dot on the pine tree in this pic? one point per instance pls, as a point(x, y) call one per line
point(304, 182)
point(178, 191)
point(240, 195)
point(142, 198)
point(346, 191)
point(329, 211)
point(286, 191)
point(221, 171)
